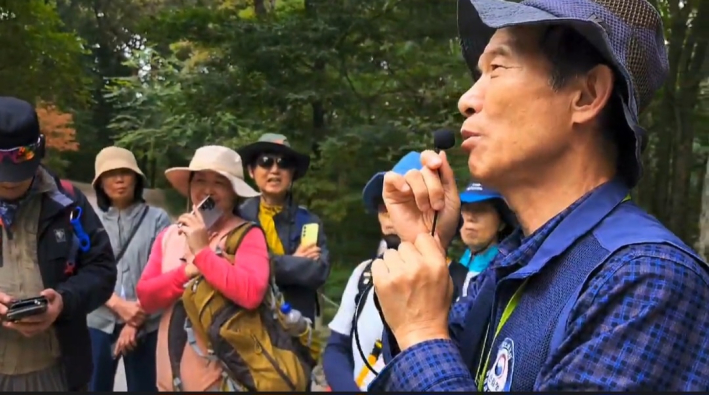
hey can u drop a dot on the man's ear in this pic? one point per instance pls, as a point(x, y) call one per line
point(593, 91)
point(251, 171)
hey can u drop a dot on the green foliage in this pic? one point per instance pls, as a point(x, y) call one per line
point(350, 83)
point(40, 60)
point(356, 84)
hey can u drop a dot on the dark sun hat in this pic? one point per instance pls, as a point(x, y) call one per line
point(271, 143)
point(627, 33)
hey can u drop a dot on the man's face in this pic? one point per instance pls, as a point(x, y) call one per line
point(14, 190)
point(481, 222)
point(272, 173)
point(515, 122)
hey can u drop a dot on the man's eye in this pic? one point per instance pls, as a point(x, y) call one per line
point(493, 67)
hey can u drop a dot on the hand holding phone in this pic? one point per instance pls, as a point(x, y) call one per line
point(194, 225)
point(309, 235)
point(26, 308)
point(34, 315)
point(309, 242)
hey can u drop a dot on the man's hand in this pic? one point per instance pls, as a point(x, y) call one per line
point(415, 289)
point(5, 302)
point(413, 199)
point(31, 326)
point(130, 312)
point(310, 251)
point(194, 230)
point(126, 341)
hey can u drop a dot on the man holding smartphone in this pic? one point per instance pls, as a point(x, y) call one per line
point(53, 249)
point(302, 266)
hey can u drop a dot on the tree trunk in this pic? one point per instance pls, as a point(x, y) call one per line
point(702, 245)
point(686, 99)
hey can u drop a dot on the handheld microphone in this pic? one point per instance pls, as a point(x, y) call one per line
point(442, 140)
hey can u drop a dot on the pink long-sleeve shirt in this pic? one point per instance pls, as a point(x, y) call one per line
point(162, 283)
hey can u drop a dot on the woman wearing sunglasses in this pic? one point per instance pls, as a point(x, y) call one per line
point(300, 268)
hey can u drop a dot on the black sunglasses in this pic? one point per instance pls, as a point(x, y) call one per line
point(267, 161)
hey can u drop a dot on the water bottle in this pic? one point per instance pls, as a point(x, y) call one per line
point(296, 324)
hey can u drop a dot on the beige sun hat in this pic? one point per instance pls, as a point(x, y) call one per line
point(112, 158)
point(217, 158)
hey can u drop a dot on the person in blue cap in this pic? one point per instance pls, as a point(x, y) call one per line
point(345, 369)
point(486, 221)
point(591, 293)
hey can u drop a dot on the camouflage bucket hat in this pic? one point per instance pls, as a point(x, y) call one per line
point(272, 143)
point(628, 33)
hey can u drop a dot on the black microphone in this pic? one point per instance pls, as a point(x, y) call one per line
point(442, 140)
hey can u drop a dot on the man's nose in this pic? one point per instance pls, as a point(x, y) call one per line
point(471, 102)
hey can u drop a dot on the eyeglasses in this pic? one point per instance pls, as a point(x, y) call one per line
point(20, 154)
point(267, 162)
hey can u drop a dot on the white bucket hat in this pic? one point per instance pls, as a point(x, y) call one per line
point(214, 158)
point(112, 158)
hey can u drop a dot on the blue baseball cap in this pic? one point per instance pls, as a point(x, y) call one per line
point(476, 192)
point(373, 189)
point(627, 33)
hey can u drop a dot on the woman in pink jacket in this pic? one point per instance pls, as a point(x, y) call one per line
point(184, 251)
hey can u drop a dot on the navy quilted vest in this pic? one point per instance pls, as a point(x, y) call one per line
point(534, 333)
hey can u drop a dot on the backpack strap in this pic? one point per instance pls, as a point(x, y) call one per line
point(67, 186)
point(363, 289)
point(79, 239)
point(302, 217)
point(179, 328)
point(176, 341)
point(236, 236)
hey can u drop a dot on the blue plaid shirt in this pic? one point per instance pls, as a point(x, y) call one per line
point(641, 324)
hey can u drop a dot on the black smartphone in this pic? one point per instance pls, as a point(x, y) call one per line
point(210, 212)
point(26, 308)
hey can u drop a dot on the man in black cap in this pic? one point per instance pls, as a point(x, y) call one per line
point(301, 266)
point(54, 248)
point(591, 293)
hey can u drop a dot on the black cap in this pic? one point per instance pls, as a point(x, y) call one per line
point(20, 140)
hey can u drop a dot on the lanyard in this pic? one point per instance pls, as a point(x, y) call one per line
point(373, 358)
point(511, 306)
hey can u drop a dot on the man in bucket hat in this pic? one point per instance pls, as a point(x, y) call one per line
point(301, 269)
point(54, 246)
point(591, 293)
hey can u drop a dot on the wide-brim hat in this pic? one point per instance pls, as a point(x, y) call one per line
point(113, 158)
point(628, 34)
point(216, 158)
point(21, 143)
point(372, 191)
point(275, 144)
